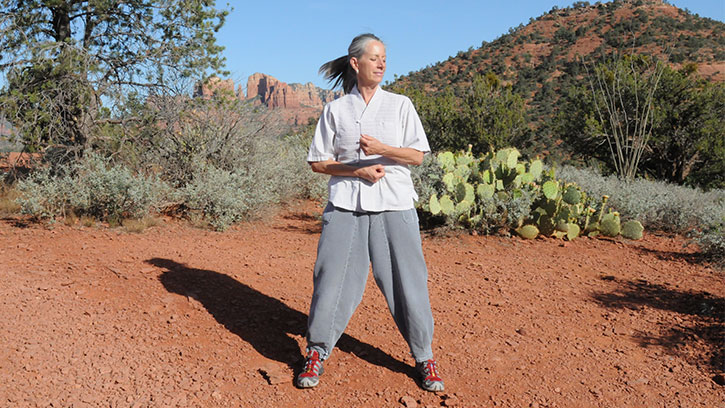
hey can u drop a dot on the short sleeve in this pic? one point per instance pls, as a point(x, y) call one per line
point(413, 133)
point(322, 147)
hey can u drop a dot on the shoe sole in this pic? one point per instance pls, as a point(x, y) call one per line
point(307, 382)
point(434, 387)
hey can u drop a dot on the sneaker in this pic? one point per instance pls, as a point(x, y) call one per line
point(310, 376)
point(429, 379)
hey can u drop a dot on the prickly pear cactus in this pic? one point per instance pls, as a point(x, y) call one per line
point(486, 192)
point(632, 230)
point(610, 225)
point(572, 195)
point(528, 231)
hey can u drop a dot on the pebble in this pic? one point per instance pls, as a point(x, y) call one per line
point(408, 401)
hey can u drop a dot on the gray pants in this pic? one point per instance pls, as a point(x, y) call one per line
point(349, 241)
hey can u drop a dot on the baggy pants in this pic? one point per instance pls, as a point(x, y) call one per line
point(348, 243)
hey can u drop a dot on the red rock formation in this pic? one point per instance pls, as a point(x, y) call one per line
point(214, 85)
point(296, 102)
point(299, 102)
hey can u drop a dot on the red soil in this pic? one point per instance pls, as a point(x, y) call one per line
point(178, 316)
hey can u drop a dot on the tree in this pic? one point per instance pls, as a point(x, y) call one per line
point(71, 65)
point(493, 116)
point(688, 143)
point(623, 91)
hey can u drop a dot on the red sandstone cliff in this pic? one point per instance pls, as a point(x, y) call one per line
point(298, 103)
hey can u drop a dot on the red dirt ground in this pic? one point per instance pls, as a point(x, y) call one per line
point(177, 316)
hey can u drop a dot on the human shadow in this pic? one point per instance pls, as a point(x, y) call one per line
point(706, 321)
point(261, 320)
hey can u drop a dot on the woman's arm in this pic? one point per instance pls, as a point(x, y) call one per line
point(335, 168)
point(403, 155)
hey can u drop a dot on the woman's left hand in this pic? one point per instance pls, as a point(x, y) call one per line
point(371, 145)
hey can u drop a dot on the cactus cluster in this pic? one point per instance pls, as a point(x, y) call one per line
point(472, 183)
point(474, 187)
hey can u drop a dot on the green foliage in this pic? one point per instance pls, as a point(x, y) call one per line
point(657, 205)
point(490, 115)
point(224, 197)
point(528, 231)
point(662, 206)
point(93, 187)
point(632, 229)
point(687, 141)
point(69, 65)
point(610, 225)
point(496, 191)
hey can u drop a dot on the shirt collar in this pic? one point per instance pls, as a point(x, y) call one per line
point(355, 92)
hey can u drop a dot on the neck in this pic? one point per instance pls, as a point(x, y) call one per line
point(367, 91)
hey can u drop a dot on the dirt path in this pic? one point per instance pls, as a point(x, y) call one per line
point(178, 316)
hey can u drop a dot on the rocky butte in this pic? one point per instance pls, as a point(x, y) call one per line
point(297, 103)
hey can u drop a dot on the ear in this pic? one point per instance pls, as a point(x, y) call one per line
point(354, 64)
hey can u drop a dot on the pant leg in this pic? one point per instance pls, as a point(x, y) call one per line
point(341, 271)
point(401, 274)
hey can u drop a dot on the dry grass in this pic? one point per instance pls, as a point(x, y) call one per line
point(87, 221)
point(139, 225)
point(70, 219)
point(8, 205)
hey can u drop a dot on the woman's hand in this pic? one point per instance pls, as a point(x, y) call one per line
point(334, 168)
point(371, 145)
point(371, 173)
point(404, 155)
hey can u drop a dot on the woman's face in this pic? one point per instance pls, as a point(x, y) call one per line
point(370, 66)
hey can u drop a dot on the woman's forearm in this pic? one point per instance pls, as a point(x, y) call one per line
point(402, 155)
point(331, 167)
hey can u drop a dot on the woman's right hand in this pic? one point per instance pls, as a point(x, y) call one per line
point(371, 173)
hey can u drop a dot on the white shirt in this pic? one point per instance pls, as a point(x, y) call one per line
point(388, 117)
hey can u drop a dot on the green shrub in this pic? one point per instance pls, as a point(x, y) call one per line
point(656, 204)
point(663, 206)
point(92, 186)
point(224, 197)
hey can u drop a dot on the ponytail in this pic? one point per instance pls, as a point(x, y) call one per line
point(340, 71)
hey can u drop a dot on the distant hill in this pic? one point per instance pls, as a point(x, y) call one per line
point(543, 57)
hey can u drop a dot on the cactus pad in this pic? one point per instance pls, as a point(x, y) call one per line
point(632, 230)
point(572, 195)
point(528, 231)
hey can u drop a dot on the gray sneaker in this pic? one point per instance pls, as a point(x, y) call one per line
point(310, 376)
point(429, 378)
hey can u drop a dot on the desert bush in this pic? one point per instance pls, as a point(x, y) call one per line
point(224, 197)
point(657, 204)
point(663, 206)
point(94, 187)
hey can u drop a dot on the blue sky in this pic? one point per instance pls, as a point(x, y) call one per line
point(291, 39)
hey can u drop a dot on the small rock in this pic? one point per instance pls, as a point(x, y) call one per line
point(534, 405)
point(450, 401)
point(408, 402)
point(522, 331)
point(216, 395)
point(719, 379)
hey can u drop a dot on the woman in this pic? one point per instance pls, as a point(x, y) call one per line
point(365, 140)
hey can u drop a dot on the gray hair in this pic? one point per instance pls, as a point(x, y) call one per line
point(339, 69)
